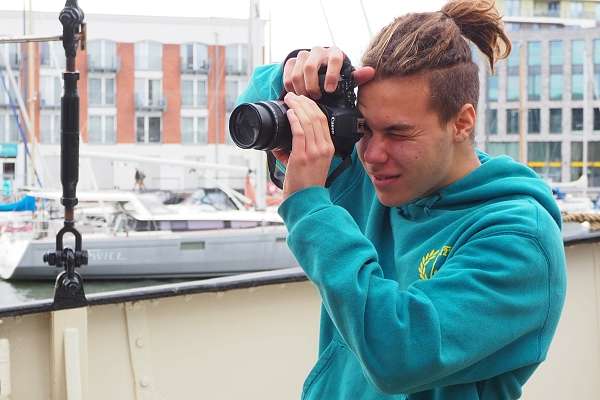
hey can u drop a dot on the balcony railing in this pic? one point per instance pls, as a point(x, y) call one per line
point(113, 65)
point(142, 103)
point(195, 69)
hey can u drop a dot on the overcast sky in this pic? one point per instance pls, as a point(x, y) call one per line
point(293, 24)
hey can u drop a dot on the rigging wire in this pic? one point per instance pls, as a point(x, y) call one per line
point(327, 22)
point(364, 12)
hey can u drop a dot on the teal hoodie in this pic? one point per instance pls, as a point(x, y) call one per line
point(453, 296)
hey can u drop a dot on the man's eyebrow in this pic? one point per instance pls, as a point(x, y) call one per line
point(399, 126)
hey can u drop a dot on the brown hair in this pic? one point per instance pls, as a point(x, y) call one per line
point(434, 43)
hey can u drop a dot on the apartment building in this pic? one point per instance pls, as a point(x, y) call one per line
point(549, 87)
point(158, 87)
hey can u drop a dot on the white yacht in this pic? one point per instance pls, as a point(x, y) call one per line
point(211, 235)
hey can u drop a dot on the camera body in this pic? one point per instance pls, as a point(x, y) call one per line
point(264, 125)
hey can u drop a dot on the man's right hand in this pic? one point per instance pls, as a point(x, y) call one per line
point(300, 76)
point(300, 73)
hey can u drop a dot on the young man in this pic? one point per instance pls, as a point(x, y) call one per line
point(441, 270)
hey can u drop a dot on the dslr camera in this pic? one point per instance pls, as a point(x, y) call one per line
point(264, 125)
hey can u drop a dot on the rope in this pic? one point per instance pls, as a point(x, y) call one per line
point(593, 219)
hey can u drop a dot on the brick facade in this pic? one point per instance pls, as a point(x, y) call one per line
point(172, 92)
point(125, 93)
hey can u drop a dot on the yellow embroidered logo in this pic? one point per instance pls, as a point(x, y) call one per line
point(427, 264)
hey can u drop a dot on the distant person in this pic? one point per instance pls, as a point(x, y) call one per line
point(139, 180)
point(441, 270)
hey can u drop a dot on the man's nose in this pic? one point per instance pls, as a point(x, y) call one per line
point(375, 150)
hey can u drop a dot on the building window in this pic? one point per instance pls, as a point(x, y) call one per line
point(576, 160)
point(52, 55)
point(491, 122)
point(148, 56)
point(194, 92)
point(9, 128)
point(596, 119)
point(492, 88)
point(556, 120)
point(545, 159)
point(232, 91)
point(577, 87)
point(50, 91)
point(556, 86)
point(101, 129)
point(593, 161)
point(534, 86)
point(50, 128)
point(194, 57)
point(512, 121)
point(193, 130)
point(236, 59)
point(577, 47)
point(533, 120)
point(577, 119)
point(512, 8)
point(576, 9)
point(512, 87)
point(148, 93)
point(148, 129)
point(554, 8)
point(504, 148)
point(10, 50)
point(102, 55)
point(556, 52)
point(534, 54)
point(101, 91)
point(596, 77)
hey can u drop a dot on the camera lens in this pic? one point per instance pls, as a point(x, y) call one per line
point(247, 124)
point(261, 126)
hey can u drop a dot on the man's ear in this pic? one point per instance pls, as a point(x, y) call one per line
point(464, 123)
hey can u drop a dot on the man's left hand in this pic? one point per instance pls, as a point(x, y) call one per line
point(312, 148)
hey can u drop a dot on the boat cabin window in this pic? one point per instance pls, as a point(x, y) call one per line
point(211, 199)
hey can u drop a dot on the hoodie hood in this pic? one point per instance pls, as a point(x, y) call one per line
point(495, 178)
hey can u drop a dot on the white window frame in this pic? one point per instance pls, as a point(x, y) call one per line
point(142, 49)
point(54, 127)
point(5, 118)
point(103, 89)
point(103, 127)
point(5, 51)
point(54, 100)
point(196, 65)
point(147, 117)
point(146, 78)
point(104, 57)
point(196, 80)
point(197, 129)
point(242, 54)
point(241, 83)
point(56, 54)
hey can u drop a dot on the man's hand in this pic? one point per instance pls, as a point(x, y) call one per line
point(312, 148)
point(309, 165)
point(300, 74)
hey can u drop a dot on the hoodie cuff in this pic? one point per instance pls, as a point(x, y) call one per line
point(303, 203)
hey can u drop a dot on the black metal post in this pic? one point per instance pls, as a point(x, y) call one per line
point(68, 291)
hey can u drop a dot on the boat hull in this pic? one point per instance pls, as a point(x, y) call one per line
point(157, 254)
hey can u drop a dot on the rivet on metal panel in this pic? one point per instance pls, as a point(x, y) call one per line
point(139, 342)
point(144, 382)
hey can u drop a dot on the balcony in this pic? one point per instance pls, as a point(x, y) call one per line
point(111, 66)
point(188, 68)
point(155, 104)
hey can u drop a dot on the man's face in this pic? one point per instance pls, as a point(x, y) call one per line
point(406, 152)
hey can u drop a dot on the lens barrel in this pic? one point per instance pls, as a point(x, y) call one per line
point(261, 126)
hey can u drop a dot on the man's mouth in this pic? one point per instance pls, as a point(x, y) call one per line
point(384, 178)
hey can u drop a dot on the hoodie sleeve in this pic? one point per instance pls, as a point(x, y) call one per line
point(439, 332)
point(266, 83)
